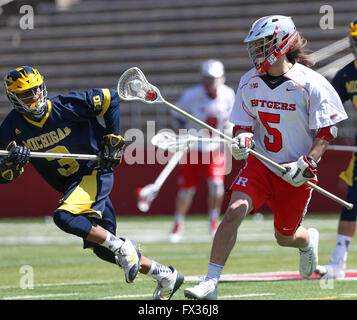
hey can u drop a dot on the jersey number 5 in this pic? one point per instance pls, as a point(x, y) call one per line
point(274, 142)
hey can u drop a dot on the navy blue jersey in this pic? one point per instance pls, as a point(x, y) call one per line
point(345, 83)
point(70, 126)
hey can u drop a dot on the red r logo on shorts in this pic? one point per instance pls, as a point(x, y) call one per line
point(242, 181)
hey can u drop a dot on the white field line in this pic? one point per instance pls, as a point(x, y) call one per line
point(255, 276)
point(60, 284)
point(127, 296)
point(220, 297)
point(40, 296)
point(191, 278)
point(138, 237)
point(247, 295)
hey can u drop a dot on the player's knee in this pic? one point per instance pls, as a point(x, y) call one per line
point(283, 241)
point(236, 212)
point(74, 224)
point(348, 215)
point(215, 187)
point(186, 193)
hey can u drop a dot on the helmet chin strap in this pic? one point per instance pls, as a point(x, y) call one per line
point(37, 116)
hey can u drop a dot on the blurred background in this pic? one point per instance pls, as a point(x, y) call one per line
point(82, 44)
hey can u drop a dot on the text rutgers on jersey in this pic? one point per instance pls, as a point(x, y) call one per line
point(273, 104)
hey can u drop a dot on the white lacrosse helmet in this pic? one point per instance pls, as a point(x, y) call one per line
point(212, 69)
point(277, 35)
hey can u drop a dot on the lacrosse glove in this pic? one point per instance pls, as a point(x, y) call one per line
point(12, 165)
point(300, 171)
point(112, 151)
point(245, 142)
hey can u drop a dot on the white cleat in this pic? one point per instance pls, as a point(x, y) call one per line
point(309, 258)
point(128, 258)
point(205, 290)
point(333, 270)
point(168, 286)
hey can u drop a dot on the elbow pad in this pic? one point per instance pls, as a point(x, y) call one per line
point(327, 133)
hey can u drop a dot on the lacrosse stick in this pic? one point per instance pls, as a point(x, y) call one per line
point(147, 194)
point(167, 140)
point(336, 147)
point(57, 155)
point(132, 85)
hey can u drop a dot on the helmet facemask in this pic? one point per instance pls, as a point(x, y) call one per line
point(31, 103)
point(261, 52)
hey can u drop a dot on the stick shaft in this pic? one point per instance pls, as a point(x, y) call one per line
point(49, 155)
point(342, 148)
point(174, 160)
point(256, 154)
point(328, 194)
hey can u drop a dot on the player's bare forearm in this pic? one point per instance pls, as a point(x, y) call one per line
point(318, 148)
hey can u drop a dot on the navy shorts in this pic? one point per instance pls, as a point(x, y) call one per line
point(350, 177)
point(88, 197)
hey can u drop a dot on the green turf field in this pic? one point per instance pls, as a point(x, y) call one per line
point(61, 269)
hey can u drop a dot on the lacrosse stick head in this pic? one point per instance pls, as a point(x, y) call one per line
point(132, 85)
point(167, 140)
point(146, 195)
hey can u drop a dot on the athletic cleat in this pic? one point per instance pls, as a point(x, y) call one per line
point(309, 258)
point(168, 286)
point(213, 227)
point(175, 235)
point(333, 270)
point(128, 258)
point(205, 290)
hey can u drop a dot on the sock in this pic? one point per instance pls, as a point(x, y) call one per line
point(112, 242)
point(159, 271)
point(179, 218)
point(214, 272)
point(341, 249)
point(304, 249)
point(213, 214)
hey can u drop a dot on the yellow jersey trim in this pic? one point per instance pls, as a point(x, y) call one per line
point(42, 122)
point(347, 175)
point(106, 102)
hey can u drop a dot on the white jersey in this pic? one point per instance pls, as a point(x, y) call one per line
point(215, 112)
point(286, 115)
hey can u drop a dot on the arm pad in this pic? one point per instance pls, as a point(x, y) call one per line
point(327, 133)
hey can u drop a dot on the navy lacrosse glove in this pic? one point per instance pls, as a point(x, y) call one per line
point(12, 165)
point(112, 151)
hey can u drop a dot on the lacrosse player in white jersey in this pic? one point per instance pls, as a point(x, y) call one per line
point(291, 112)
point(210, 101)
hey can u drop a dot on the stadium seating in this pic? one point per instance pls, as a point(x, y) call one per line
point(92, 42)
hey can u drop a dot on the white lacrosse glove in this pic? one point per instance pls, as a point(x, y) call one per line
point(240, 149)
point(300, 171)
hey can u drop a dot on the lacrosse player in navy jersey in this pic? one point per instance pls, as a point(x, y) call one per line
point(68, 124)
point(345, 83)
